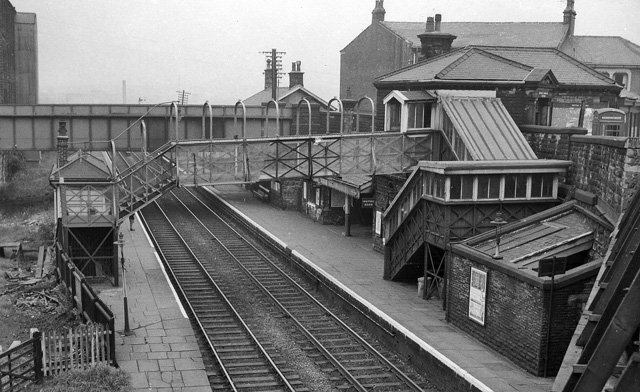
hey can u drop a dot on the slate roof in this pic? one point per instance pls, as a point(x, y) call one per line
point(565, 68)
point(352, 184)
point(83, 165)
point(509, 64)
point(264, 96)
point(487, 129)
point(531, 34)
point(599, 50)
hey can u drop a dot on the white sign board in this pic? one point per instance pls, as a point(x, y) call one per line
point(477, 295)
point(378, 222)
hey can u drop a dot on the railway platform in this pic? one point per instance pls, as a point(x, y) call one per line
point(357, 268)
point(161, 352)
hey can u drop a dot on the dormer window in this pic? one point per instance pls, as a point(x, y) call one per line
point(621, 78)
point(408, 111)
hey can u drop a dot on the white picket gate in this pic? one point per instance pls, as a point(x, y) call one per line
point(78, 348)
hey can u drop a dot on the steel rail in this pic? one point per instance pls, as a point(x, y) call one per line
point(226, 300)
point(360, 340)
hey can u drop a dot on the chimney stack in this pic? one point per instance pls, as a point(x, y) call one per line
point(430, 25)
point(569, 17)
point(268, 76)
point(296, 76)
point(63, 144)
point(433, 41)
point(377, 15)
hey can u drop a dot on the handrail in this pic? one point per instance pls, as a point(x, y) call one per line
point(341, 113)
point(207, 105)
point(398, 201)
point(245, 158)
point(143, 129)
point(373, 113)
point(266, 121)
point(174, 109)
point(298, 115)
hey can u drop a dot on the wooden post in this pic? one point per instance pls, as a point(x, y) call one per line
point(37, 355)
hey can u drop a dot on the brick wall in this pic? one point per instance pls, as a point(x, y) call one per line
point(289, 196)
point(605, 166)
point(516, 314)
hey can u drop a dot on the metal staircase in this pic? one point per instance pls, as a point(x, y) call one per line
point(146, 179)
point(610, 336)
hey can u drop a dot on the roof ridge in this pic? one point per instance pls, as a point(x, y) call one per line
point(421, 63)
point(525, 22)
point(470, 50)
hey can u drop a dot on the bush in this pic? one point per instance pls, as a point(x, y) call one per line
point(14, 163)
point(101, 378)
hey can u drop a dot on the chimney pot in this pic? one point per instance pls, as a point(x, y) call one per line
point(430, 24)
point(438, 22)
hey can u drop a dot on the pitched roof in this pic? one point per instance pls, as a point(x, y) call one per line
point(565, 68)
point(282, 93)
point(480, 65)
point(264, 96)
point(599, 50)
point(532, 34)
point(487, 129)
point(507, 64)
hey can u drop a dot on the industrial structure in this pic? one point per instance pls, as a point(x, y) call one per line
point(18, 56)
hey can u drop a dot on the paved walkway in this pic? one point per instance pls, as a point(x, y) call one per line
point(353, 262)
point(162, 353)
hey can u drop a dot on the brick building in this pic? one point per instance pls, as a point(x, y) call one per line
point(18, 56)
point(385, 46)
point(541, 86)
point(507, 299)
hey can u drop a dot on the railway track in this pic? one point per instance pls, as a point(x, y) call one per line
point(304, 346)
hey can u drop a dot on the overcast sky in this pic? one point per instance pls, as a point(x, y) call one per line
point(211, 48)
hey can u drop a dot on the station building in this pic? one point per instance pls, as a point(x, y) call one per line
point(385, 46)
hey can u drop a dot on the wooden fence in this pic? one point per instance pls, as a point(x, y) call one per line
point(21, 365)
point(77, 348)
point(84, 296)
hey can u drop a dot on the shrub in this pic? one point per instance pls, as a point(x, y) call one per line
point(100, 378)
point(14, 163)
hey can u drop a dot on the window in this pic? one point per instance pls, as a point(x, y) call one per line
point(612, 130)
point(515, 186)
point(461, 187)
point(621, 78)
point(419, 115)
point(489, 187)
point(542, 185)
point(393, 113)
point(438, 186)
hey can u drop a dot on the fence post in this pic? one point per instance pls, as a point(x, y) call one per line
point(112, 342)
point(37, 355)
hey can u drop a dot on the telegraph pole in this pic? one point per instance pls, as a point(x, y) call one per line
point(183, 97)
point(276, 70)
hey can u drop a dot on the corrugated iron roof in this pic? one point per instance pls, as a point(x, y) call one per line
point(487, 129)
point(532, 34)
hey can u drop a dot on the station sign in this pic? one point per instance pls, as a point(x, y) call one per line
point(367, 202)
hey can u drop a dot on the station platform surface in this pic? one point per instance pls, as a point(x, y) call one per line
point(353, 262)
point(161, 353)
